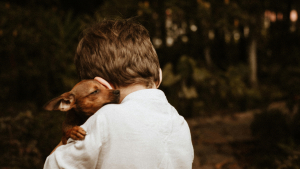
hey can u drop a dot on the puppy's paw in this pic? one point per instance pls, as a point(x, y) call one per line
point(77, 133)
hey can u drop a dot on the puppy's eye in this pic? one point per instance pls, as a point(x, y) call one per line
point(96, 91)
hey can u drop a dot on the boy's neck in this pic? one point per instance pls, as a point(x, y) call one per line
point(124, 91)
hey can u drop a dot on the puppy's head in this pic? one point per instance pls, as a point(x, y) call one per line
point(86, 97)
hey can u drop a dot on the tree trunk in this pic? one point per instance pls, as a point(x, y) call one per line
point(253, 63)
point(207, 56)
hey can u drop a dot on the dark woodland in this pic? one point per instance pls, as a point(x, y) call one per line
point(230, 67)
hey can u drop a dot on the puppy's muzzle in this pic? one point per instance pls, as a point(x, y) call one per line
point(116, 92)
point(115, 97)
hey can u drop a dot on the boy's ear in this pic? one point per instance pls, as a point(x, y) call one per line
point(160, 78)
point(103, 82)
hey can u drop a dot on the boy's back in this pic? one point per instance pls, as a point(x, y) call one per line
point(144, 131)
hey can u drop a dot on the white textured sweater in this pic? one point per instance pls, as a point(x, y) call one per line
point(143, 132)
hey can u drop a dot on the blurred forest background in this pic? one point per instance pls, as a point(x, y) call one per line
point(218, 57)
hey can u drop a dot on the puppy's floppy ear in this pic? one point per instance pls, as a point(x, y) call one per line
point(65, 102)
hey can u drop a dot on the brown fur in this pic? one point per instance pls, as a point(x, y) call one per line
point(80, 103)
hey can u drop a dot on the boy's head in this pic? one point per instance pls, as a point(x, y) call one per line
point(120, 52)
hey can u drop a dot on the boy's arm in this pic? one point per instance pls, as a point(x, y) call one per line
point(81, 153)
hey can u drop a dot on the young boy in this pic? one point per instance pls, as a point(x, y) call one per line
point(144, 130)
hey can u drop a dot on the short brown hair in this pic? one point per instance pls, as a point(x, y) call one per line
point(120, 51)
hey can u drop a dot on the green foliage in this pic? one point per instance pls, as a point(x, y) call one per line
point(209, 90)
point(27, 138)
point(278, 141)
point(271, 127)
point(37, 48)
point(37, 52)
point(17, 151)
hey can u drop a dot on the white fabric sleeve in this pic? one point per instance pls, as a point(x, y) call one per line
point(81, 153)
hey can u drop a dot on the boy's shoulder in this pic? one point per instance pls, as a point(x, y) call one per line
point(108, 110)
point(146, 95)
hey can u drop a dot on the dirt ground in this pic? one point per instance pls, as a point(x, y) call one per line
point(218, 140)
point(226, 142)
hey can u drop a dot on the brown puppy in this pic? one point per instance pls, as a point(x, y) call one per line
point(80, 103)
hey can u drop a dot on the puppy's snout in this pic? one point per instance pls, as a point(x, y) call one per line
point(115, 96)
point(116, 92)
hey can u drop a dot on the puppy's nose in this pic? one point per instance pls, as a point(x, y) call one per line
point(116, 92)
